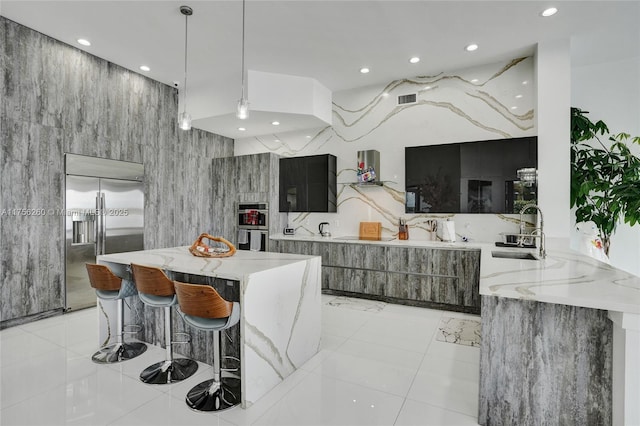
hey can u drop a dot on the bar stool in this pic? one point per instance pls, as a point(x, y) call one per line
point(108, 286)
point(156, 289)
point(203, 308)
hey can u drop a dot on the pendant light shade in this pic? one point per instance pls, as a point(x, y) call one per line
point(184, 118)
point(184, 121)
point(243, 104)
point(243, 109)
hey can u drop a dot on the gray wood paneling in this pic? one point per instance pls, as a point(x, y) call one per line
point(57, 99)
point(437, 278)
point(544, 363)
point(247, 178)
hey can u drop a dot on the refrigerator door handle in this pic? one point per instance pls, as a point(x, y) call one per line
point(103, 214)
point(97, 225)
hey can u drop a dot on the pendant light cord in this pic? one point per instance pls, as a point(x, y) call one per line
point(186, 35)
point(243, 9)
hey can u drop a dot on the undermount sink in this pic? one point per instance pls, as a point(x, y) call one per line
point(513, 255)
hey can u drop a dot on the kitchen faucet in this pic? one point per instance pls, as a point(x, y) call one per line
point(538, 230)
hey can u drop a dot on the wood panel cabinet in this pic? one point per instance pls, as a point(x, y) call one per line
point(429, 277)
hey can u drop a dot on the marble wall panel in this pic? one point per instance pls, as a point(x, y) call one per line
point(58, 99)
point(455, 106)
point(543, 363)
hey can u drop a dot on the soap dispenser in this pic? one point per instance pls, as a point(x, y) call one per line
point(403, 230)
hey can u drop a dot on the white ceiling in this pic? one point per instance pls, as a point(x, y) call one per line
point(326, 40)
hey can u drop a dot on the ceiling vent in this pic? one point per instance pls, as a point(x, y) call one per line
point(407, 99)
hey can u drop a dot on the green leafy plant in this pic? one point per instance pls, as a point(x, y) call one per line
point(605, 180)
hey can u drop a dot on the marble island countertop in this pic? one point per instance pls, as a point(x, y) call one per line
point(179, 259)
point(564, 277)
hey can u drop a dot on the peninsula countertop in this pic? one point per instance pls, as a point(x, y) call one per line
point(564, 277)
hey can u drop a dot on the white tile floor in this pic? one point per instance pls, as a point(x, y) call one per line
point(379, 365)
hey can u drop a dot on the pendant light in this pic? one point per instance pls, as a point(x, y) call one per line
point(243, 104)
point(184, 118)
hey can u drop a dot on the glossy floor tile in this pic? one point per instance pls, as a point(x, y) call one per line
point(379, 364)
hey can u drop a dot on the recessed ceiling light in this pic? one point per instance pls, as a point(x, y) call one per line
point(549, 12)
point(308, 137)
point(474, 80)
point(275, 123)
point(242, 129)
point(145, 68)
point(385, 95)
point(518, 96)
point(471, 47)
point(276, 140)
point(414, 60)
point(364, 70)
point(514, 107)
point(84, 42)
point(427, 87)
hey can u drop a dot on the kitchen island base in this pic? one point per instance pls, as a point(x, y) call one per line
point(544, 363)
point(279, 295)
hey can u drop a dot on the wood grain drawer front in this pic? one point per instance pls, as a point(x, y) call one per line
point(424, 261)
point(353, 280)
point(423, 288)
point(362, 256)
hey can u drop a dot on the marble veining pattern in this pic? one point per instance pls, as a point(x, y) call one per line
point(564, 277)
point(357, 304)
point(281, 330)
point(460, 331)
point(58, 99)
point(462, 105)
point(279, 295)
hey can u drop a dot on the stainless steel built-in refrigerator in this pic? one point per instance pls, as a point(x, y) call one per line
point(104, 213)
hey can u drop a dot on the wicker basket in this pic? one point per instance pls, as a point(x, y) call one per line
point(200, 249)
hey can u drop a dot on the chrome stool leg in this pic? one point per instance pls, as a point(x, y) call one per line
point(119, 351)
point(170, 370)
point(216, 394)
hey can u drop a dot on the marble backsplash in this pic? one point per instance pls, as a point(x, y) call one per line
point(485, 102)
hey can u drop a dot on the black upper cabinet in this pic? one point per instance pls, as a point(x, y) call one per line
point(308, 184)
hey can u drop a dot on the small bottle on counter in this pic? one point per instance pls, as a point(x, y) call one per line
point(403, 230)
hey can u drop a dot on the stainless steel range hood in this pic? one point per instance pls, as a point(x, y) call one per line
point(368, 168)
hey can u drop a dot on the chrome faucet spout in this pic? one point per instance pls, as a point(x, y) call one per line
point(538, 229)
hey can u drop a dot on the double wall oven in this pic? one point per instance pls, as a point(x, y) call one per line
point(253, 226)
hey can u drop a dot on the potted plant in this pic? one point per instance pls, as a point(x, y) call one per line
point(605, 180)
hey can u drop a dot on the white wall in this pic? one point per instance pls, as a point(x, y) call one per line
point(611, 93)
point(553, 83)
point(463, 105)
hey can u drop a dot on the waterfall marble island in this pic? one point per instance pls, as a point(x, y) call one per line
point(279, 296)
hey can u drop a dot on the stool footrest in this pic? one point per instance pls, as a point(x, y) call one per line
point(233, 369)
point(131, 328)
point(186, 338)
